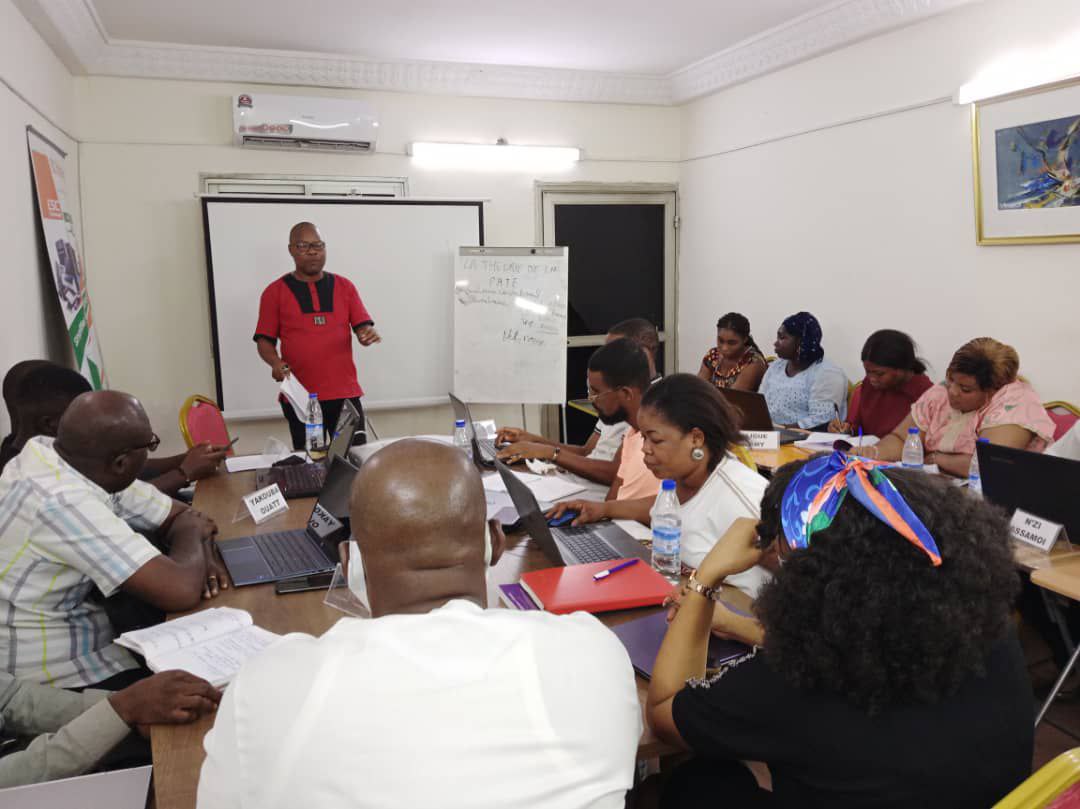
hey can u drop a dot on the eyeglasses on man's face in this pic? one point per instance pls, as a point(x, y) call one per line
point(152, 446)
point(592, 396)
point(303, 247)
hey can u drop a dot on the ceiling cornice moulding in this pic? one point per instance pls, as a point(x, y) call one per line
point(843, 23)
point(811, 35)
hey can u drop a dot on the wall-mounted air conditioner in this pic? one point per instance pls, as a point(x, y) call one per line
point(304, 122)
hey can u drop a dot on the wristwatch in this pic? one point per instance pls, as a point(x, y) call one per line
point(555, 453)
point(710, 592)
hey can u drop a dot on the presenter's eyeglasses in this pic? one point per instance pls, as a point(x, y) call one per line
point(304, 247)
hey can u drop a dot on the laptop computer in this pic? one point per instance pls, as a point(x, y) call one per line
point(306, 480)
point(1042, 485)
point(755, 414)
point(568, 545)
point(484, 450)
point(300, 552)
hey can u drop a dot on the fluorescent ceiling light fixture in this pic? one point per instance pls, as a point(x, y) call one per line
point(1025, 70)
point(503, 156)
point(530, 306)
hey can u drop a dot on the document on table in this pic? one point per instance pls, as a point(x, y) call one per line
point(824, 441)
point(245, 463)
point(212, 644)
point(544, 487)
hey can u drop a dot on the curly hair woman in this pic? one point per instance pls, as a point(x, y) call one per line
point(982, 397)
point(890, 674)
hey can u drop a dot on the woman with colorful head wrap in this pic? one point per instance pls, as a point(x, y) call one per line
point(801, 387)
point(889, 673)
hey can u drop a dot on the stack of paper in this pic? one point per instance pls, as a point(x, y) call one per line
point(297, 395)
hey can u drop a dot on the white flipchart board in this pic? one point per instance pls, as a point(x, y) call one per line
point(510, 324)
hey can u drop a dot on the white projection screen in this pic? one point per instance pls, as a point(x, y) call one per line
point(398, 253)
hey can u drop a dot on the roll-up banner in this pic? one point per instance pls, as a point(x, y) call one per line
point(60, 231)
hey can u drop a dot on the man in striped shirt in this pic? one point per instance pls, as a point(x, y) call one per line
point(68, 510)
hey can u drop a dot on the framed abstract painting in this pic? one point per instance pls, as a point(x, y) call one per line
point(1026, 151)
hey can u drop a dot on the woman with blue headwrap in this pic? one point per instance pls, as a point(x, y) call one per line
point(887, 672)
point(801, 387)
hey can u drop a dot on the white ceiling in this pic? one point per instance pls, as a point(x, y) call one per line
point(615, 51)
point(616, 36)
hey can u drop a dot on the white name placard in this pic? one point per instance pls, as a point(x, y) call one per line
point(265, 504)
point(762, 439)
point(1034, 531)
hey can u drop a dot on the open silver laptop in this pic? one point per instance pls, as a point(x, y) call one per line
point(286, 554)
point(484, 450)
point(567, 545)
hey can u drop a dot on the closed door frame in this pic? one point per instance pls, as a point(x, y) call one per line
point(548, 195)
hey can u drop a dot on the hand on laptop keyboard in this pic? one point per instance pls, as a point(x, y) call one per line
point(587, 511)
point(525, 450)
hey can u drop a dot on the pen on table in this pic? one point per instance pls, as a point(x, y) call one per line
point(603, 574)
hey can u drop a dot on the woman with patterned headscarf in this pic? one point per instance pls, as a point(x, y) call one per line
point(886, 671)
point(801, 387)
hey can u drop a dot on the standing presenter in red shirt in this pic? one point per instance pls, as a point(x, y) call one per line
point(314, 313)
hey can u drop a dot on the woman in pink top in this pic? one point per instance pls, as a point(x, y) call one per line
point(982, 397)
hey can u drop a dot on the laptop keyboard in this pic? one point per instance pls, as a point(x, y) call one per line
point(306, 477)
point(586, 544)
point(289, 553)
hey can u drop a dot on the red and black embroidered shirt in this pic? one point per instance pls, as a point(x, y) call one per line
point(315, 321)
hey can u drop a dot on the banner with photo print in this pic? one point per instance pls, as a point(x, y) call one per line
point(60, 230)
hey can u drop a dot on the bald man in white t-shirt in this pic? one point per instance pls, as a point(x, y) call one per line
point(436, 701)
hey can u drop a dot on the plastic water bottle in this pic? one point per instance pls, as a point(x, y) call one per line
point(666, 533)
point(313, 430)
point(912, 456)
point(974, 478)
point(461, 437)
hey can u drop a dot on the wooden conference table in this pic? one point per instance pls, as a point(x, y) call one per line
point(177, 749)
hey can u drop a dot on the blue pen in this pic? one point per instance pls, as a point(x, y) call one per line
point(860, 438)
point(603, 574)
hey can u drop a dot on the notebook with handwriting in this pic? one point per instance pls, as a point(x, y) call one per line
point(572, 588)
point(212, 644)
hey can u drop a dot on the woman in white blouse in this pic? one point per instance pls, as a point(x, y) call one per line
point(689, 433)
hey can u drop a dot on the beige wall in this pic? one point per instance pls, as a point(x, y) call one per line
point(144, 144)
point(35, 90)
point(870, 224)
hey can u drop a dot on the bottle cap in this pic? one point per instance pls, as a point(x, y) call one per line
point(668, 485)
point(459, 423)
point(313, 396)
point(913, 430)
point(984, 440)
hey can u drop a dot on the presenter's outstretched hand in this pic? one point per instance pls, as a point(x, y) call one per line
point(368, 336)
